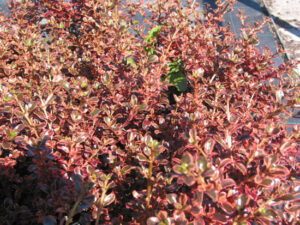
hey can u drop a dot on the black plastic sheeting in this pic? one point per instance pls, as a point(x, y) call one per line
point(253, 9)
point(256, 12)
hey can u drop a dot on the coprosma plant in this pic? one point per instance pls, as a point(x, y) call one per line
point(88, 133)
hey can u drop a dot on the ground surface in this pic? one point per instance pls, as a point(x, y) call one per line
point(286, 14)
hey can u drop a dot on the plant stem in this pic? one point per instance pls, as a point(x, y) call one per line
point(74, 209)
point(25, 113)
point(100, 207)
point(99, 214)
point(149, 186)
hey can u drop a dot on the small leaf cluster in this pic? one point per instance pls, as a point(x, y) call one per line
point(173, 121)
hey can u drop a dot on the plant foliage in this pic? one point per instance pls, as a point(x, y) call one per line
point(89, 135)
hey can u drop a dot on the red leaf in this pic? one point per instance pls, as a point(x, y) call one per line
point(163, 215)
point(178, 169)
point(224, 163)
point(280, 171)
point(141, 157)
point(220, 217)
point(213, 194)
point(187, 158)
point(153, 221)
point(228, 208)
point(287, 197)
point(180, 218)
point(172, 198)
point(192, 135)
point(264, 220)
point(189, 180)
point(198, 196)
point(202, 163)
point(199, 221)
point(195, 210)
point(146, 124)
point(227, 183)
point(241, 168)
point(267, 182)
point(241, 202)
point(294, 208)
point(208, 173)
point(109, 199)
point(209, 146)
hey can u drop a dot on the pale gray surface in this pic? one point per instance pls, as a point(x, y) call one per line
point(3, 5)
point(286, 16)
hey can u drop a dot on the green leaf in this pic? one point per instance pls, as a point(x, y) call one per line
point(184, 167)
point(153, 33)
point(124, 24)
point(84, 84)
point(61, 25)
point(12, 134)
point(177, 76)
point(8, 97)
point(28, 43)
point(95, 113)
point(150, 51)
point(131, 62)
point(142, 107)
point(267, 212)
point(180, 82)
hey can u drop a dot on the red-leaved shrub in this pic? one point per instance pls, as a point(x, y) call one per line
point(175, 120)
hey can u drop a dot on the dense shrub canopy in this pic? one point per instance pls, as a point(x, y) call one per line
point(103, 121)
